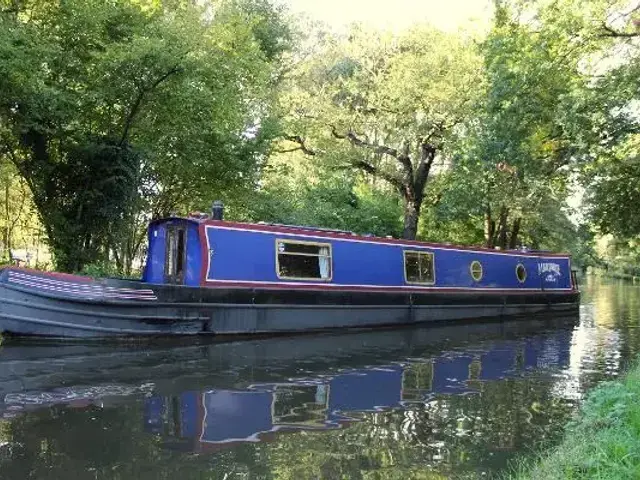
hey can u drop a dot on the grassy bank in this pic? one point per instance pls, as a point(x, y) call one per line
point(603, 442)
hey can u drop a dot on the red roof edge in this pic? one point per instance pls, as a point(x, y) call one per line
point(321, 233)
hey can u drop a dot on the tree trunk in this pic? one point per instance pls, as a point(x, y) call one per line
point(501, 241)
point(411, 216)
point(413, 174)
point(6, 217)
point(515, 231)
point(489, 228)
point(118, 258)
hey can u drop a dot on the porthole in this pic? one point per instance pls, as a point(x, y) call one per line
point(521, 273)
point(476, 270)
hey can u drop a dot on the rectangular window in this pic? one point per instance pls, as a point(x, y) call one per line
point(418, 267)
point(303, 260)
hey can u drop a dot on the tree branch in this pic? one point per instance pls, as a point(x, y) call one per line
point(437, 128)
point(301, 145)
point(419, 180)
point(375, 172)
point(612, 33)
point(402, 157)
point(405, 159)
point(137, 103)
point(427, 156)
point(358, 142)
point(290, 150)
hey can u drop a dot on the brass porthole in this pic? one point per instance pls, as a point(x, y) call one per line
point(476, 270)
point(521, 273)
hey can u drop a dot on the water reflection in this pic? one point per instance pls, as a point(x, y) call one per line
point(225, 417)
point(413, 403)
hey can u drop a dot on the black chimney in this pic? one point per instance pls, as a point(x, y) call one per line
point(217, 210)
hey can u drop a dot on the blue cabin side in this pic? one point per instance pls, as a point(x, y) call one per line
point(245, 255)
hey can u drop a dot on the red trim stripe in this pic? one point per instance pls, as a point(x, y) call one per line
point(380, 289)
point(347, 236)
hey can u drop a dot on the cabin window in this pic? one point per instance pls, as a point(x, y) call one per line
point(418, 267)
point(521, 273)
point(476, 270)
point(303, 260)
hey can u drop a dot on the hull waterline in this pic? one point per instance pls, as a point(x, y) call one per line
point(112, 308)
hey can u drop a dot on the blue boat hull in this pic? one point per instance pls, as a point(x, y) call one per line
point(35, 304)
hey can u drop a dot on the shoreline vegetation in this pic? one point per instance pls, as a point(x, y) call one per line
point(602, 442)
point(614, 274)
point(516, 132)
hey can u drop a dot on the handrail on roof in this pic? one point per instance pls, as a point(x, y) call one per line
point(308, 227)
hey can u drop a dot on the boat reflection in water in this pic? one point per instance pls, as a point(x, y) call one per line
point(216, 418)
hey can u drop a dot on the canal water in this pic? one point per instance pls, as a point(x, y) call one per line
point(442, 402)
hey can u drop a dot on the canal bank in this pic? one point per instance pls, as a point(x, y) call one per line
point(603, 441)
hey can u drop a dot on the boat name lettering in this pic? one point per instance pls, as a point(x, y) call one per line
point(551, 269)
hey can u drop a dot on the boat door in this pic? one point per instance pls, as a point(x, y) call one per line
point(175, 254)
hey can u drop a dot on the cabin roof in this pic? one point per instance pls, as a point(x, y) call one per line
point(320, 232)
point(158, 221)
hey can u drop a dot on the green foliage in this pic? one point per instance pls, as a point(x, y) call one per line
point(100, 269)
point(613, 187)
point(117, 112)
point(548, 112)
point(512, 164)
point(587, 78)
point(179, 94)
point(458, 213)
point(269, 25)
point(617, 257)
point(307, 194)
point(540, 109)
point(385, 105)
point(87, 198)
point(19, 226)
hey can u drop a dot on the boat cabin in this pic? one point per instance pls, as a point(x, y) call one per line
point(215, 253)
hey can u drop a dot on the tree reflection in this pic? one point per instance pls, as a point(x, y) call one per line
point(457, 414)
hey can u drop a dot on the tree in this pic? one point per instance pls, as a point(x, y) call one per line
point(386, 106)
point(18, 226)
point(546, 113)
point(614, 191)
point(301, 191)
point(114, 112)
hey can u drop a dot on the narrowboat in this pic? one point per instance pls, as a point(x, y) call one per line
point(207, 276)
